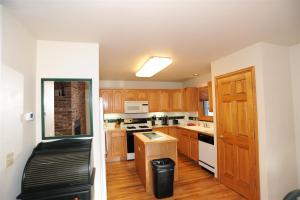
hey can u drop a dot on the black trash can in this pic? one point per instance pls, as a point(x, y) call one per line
point(163, 177)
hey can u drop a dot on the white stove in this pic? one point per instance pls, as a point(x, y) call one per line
point(133, 126)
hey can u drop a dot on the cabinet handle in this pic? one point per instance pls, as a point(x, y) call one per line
point(221, 136)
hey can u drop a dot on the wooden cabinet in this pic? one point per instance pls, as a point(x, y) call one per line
point(191, 99)
point(210, 98)
point(118, 103)
point(117, 145)
point(154, 100)
point(176, 100)
point(130, 95)
point(142, 95)
point(164, 130)
point(107, 96)
point(188, 143)
point(194, 149)
point(164, 100)
point(173, 131)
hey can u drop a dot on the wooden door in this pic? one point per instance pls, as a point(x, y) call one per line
point(154, 100)
point(118, 103)
point(176, 100)
point(237, 132)
point(164, 101)
point(107, 97)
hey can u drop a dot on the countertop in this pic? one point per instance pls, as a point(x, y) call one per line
point(201, 129)
point(164, 138)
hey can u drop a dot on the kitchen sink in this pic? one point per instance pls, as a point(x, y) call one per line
point(152, 135)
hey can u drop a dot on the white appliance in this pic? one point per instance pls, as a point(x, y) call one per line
point(134, 126)
point(136, 107)
point(206, 151)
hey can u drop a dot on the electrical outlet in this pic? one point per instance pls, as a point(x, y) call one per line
point(9, 159)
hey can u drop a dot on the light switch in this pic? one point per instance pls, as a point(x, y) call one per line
point(9, 159)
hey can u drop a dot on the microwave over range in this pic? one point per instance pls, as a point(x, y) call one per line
point(136, 107)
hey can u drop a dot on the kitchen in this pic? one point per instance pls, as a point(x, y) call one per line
point(173, 112)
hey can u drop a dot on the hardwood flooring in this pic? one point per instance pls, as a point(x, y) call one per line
point(194, 183)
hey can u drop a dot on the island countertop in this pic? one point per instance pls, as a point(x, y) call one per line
point(162, 139)
point(147, 150)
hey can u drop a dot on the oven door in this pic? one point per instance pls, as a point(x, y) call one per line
point(130, 142)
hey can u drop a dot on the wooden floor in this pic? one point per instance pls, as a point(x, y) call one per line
point(194, 183)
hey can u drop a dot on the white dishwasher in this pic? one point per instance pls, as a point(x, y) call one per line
point(206, 151)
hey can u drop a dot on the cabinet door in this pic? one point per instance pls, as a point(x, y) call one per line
point(118, 103)
point(210, 99)
point(191, 99)
point(194, 149)
point(185, 146)
point(176, 100)
point(117, 145)
point(107, 96)
point(164, 130)
point(130, 95)
point(172, 132)
point(154, 98)
point(142, 95)
point(164, 101)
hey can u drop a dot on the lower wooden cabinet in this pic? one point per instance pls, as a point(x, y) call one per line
point(164, 130)
point(116, 146)
point(173, 131)
point(194, 149)
point(188, 143)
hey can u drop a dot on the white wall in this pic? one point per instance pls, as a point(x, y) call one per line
point(295, 71)
point(73, 60)
point(18, 97)
point(275, 115)
point(198, 82)
point(140, 84)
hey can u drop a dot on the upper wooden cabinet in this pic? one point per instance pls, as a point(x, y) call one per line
point(142, 95)
point(191, 99)
point(118, 103)
point(205, 102)
point(154, 100)
point(176, 100)
point(130, 95)
point(164, 98)
point(107, 96)
point(210, 96)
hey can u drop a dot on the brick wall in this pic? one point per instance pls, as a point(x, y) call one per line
point(69, 103)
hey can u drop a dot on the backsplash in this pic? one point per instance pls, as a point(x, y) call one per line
point(182, 117)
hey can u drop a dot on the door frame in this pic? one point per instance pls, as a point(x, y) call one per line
point(250, 69)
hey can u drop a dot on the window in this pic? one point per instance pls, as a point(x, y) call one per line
point(206, 109)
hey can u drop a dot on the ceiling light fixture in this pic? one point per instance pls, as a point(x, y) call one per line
point(195, 74)
point(153, 65)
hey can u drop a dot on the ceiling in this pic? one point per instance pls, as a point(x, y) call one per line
point(192, 32)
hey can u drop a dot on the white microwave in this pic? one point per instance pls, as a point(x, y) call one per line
point(136, 107)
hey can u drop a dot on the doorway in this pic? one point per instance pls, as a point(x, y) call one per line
point(237, 132)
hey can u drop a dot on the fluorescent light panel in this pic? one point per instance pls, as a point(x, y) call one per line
point(153, 66)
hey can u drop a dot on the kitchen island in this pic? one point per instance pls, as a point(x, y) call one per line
point(149, 146)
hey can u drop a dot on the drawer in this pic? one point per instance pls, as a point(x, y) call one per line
point(193, 134)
